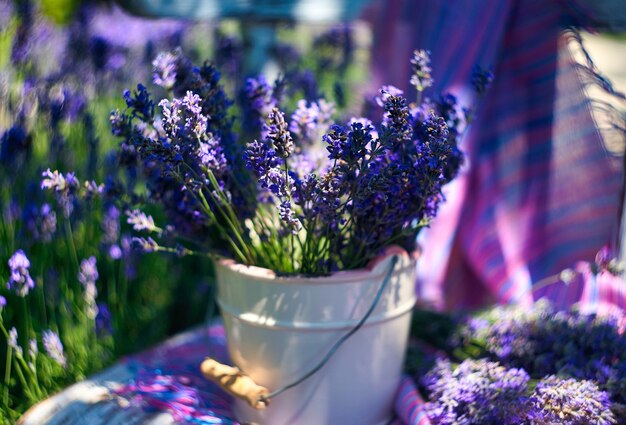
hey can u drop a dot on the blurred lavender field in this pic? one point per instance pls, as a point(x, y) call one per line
point(76, 296)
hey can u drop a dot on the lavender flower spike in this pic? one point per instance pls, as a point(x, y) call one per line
point(278, 133)
point(141, 221)
point(145, 245)
point(19, 279)
point(164, 69)
point(421, 77)
point(12, 341)
point(568, 401)
point(3, 302)
point(88, 273)
point(54, 347)
point(57, 182)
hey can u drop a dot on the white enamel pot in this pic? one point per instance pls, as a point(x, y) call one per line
point(279, 328)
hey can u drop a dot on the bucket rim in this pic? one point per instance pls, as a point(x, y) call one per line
point(376, 268)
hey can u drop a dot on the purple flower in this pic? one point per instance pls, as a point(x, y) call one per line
point(141, 221)
point(145, 245)
point(277, 133)
point(57, 182)
point(568, 401)
point(13, 343)
point(257, 102)
point(104, 320)
point(54, 347)
point(482, 79)
point(120, 123)
point(110, 225)
point(40, 222)
point(33, 349)
point(288, 216)
point(139, 102)
point(260, 158)
point(3, 302)
point(421, 77)
point(164, 69)
point(304, 121)
point(115, 252)
point(386, 92)
point(211, 155)
point(88, 273)
point(15, 145)
point(184, 117)
point(92, 189)
point(546, 342)
point(476, 391)
point(19, 279)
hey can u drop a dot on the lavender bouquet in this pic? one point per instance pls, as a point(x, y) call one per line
point(296, 194)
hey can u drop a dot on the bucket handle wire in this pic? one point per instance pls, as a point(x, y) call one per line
point(236, 383)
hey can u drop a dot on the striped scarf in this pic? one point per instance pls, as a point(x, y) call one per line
point(538, 192)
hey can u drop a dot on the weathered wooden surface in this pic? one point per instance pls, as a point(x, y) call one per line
point(90, 402)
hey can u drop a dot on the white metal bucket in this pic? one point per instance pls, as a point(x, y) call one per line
point(278, 328)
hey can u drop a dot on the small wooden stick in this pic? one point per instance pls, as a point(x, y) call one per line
point(236, 383)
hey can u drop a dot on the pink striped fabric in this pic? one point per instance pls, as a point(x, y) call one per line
point(410, 405)
point(538, 192)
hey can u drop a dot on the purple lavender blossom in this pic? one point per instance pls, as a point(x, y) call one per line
point(87, 276)
point(104, 320)
point(54, 347)
point(33, 349)
point(41, 222)
point(13, 342)
point(212, 156)
point(184, 116)
point(386, 92)
point(110, 225)
point(15, 145)
point(288, 216)
point(277, 132)
point(366, 123)
point(164, 69)
point(476, 391)
point(146, 245)
point(482, 79)
point(140, 103)
point(140, 221)
point(3, 302)
point(261, 158)
point(88, 273)
point(115, 252)
point(568, 401)
point(57, 182)
point(120, 123)
point(20, 51)
point(421, 77)
point(545, 342)
point(92, 190)
point(64, 187)
point(304, 121)
point(257, 100)
point(48, 222)
point(19, 279)
point(377, 184)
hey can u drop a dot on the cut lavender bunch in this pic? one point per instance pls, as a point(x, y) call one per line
point(298, 195)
